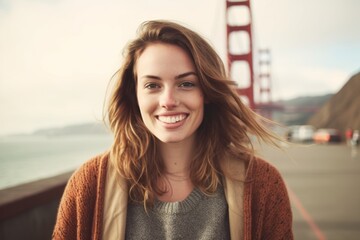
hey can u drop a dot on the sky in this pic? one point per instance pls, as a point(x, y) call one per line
point(57, 56)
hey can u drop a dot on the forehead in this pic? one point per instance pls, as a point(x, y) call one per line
point(164, 57)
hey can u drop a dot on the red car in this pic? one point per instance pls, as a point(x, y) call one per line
point(327, 135)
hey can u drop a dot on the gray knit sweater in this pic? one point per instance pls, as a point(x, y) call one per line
point(197, 217)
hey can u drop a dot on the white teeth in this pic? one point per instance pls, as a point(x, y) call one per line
point(172, 119)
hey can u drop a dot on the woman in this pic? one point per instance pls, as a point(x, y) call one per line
point(182, 165)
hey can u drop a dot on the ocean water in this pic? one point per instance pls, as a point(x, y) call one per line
point(28, 158)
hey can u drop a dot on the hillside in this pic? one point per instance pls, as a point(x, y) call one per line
point(314, 101)
point(294, 117)
point(342, 111)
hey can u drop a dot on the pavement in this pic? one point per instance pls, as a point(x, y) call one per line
point(324, 187)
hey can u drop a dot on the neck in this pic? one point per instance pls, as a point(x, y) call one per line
point(176, 182)
point(177, 156)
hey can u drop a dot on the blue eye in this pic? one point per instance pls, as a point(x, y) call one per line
point(187, 84)
point(152, 85)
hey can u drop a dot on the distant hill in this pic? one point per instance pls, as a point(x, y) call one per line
point(293, 116)
point(315, 101)
point(76, 129)
point(342, 111)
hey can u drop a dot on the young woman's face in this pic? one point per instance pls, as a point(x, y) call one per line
point(168, 92)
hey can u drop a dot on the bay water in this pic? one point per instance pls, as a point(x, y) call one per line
point(28, 158)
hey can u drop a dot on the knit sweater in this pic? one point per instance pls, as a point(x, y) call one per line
point(199, 216)
point(266, 207)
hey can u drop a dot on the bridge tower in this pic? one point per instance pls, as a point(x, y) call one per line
point(264, 105)
point(239, 48)
point(264, 76)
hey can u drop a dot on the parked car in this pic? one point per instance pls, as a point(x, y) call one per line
point(355, 138)
point(300, 133)
point(327, 135)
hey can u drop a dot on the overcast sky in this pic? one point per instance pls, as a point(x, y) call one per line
point(57, 56)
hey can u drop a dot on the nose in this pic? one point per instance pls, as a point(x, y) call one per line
point(168, 98)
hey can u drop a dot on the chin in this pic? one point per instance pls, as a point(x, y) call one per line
point(170, 139)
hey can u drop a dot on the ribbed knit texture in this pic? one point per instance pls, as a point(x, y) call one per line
point(197, 217)
point(267, 211)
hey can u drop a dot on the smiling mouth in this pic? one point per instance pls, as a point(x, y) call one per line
point(172, 119)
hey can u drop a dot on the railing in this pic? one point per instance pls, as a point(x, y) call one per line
point(29, 211)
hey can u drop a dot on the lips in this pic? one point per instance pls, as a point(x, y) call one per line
point(172, 119)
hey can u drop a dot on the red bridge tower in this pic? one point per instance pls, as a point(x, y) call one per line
point(239, 48)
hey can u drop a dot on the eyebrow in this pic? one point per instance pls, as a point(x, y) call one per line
point(185, 75)
point(180, 76)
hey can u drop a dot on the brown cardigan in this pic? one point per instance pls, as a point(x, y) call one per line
point(266, 206)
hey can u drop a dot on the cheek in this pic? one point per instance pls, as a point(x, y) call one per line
point(198, 102)
point(198, 105)
point(146, 106)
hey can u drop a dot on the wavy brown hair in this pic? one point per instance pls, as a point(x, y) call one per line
point(225, 131)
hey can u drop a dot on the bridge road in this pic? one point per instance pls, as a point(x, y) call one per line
point(324, 188)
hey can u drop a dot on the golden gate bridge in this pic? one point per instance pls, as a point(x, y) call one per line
point(254, 89)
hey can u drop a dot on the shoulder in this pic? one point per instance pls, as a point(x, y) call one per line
point(254, 170)
point(94, 164)
point(89, 173)
point(265, 181)
point(261, 170)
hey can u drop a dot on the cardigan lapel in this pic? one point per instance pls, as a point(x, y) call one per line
point(234, 180)
point(115, 206)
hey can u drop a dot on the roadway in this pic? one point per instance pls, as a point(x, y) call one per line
point(324, 187)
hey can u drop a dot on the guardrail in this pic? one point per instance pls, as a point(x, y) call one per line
point(28, 211)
